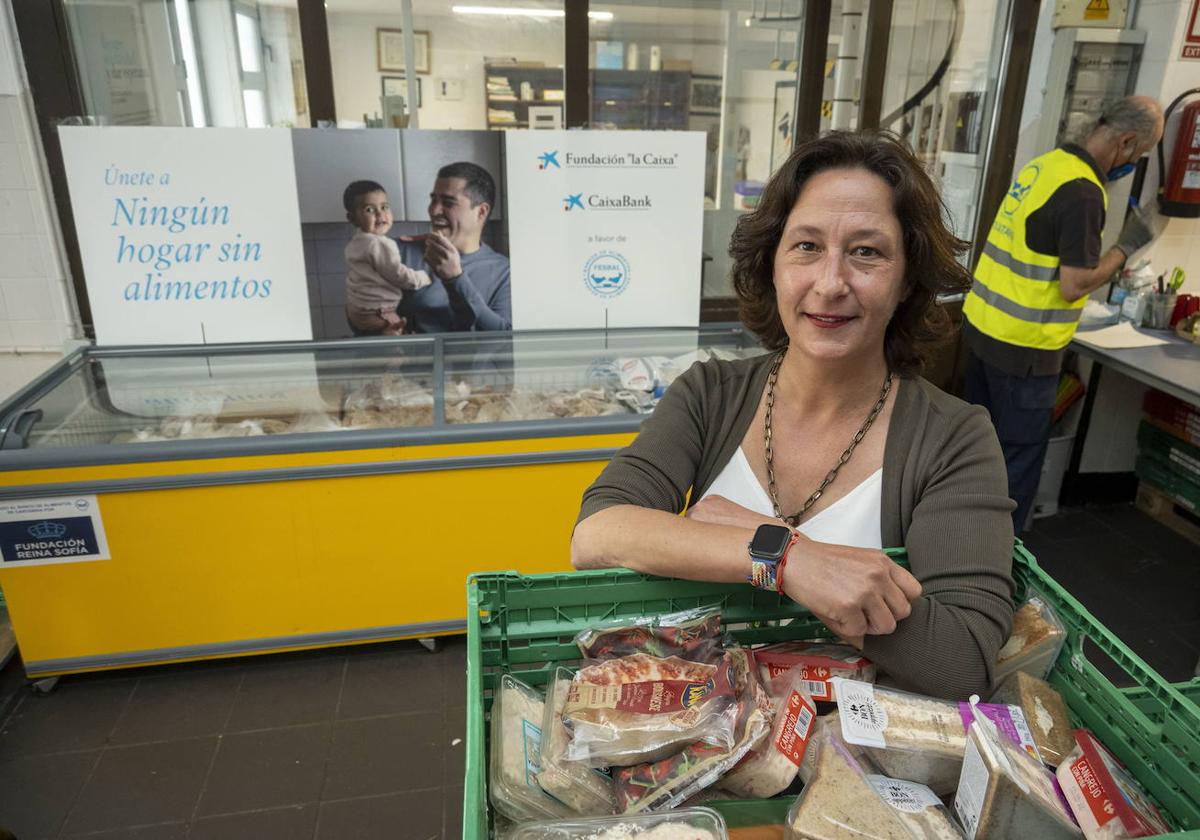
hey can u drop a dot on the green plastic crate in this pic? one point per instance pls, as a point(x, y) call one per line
point(524, 625)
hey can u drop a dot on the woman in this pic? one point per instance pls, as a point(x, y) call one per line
point(833, 432)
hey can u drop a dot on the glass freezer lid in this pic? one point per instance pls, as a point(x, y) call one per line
point(129, 398)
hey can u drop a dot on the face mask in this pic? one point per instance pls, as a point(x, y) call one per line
point(1120, 171)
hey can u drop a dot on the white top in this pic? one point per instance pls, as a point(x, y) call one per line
point(852, 520)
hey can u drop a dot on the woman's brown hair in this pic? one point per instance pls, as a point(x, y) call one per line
point(931, 250)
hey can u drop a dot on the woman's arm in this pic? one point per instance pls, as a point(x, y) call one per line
point(959, 546)
point(629, 518)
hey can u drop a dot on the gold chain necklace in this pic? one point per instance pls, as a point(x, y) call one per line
point(795, 518)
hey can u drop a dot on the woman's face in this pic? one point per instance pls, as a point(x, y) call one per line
point(839, 266)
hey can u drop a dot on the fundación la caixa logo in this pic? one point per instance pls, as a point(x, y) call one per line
point(607, 160)
point(606, 274)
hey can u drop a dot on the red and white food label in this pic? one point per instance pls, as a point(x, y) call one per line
point(1098, 800)
point(818, 665)
point(797, 727)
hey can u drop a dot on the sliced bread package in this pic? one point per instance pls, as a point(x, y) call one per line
point(1037, 637)
point(838, 802)
point(1108, 803)
point(586, 790)
point(641, 708)
point(1045, 712)
point(1006, 793)
point(918, 738)
point(918, 807)
point(817, 662)
point(517, 713)
point(773, 764)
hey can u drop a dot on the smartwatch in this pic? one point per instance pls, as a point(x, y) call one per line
point(769, 546)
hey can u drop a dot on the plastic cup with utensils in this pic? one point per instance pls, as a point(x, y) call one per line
point(1160, 311)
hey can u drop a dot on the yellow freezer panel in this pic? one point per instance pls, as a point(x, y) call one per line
point(230, 563)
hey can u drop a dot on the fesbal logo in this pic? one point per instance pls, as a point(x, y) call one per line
point(554, 159)
point(606, 274)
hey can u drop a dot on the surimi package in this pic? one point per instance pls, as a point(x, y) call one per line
point(818, 662)
point(1107, 802)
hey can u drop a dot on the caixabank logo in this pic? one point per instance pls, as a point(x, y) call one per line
point(596, 201)
point(606, 274)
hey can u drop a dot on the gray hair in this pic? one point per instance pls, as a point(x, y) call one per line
point(1130, 114)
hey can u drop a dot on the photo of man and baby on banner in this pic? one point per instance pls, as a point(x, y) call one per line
point(214, 236)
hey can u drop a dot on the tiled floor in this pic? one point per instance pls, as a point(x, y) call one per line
point(363, 742)
point(359, 743)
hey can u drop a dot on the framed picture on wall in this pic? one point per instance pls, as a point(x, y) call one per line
point(389, 45)
point(706, 95)
point(783, 126)
point(398, 86)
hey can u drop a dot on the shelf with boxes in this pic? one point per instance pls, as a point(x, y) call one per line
point(522, 94)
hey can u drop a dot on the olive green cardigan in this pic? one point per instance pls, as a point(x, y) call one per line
point(944, 498)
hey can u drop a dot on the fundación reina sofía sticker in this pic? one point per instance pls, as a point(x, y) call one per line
point(37, 532)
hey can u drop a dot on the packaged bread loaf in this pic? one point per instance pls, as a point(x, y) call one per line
point(663, 784)
point(1045, 712)
point(773, 764)
point(643, 708)
point(673, 634)
point(1107, 802)
point(517, 712)
point(682, 824)
point(1037, 637)
point(918, 807)
point(838, 803)
point(586, 790)
point(1005, 793)
point(918, 738)
point(819, 663)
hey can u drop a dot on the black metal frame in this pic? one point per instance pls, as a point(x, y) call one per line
point(57, 94)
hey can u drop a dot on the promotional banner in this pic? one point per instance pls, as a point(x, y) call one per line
point(605, 228)
point(209, 236)
point(188, 236)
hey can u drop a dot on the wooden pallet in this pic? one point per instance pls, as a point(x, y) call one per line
point(1158, 504)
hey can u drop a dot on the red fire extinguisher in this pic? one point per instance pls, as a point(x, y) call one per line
point(1179, 194)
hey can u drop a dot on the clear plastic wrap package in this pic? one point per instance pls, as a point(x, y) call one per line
point(818, 662)
point(681, 634)
point(906, 735)
point(1107, 802)
point(643, 708)
point(655, 786)
point(1005, 793)
point(584, 789)
point(1037, 637)
point(683, 824)
point(808, 765)
point(918, 807)
point(838, 802)
point(1045, 712)
point(773, 764)
point(517, 712)
point(919, 738)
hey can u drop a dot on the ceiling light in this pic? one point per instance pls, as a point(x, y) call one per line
point(514, 11)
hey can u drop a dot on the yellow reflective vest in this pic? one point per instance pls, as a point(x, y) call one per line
point(1015, 297)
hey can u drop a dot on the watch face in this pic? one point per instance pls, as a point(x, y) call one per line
point(770, 540)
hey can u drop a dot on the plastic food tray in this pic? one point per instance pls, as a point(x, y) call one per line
point(524, 625)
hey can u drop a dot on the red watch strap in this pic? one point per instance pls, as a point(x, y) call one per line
point(783, 561)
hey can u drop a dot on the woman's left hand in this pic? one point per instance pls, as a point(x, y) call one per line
point(720, 511)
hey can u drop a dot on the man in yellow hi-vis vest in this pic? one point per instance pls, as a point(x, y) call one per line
point(1040, 262)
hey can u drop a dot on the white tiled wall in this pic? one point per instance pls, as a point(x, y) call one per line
point(36, 314)
point(1164, 76)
